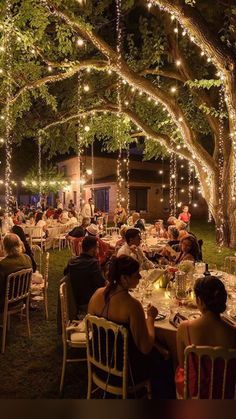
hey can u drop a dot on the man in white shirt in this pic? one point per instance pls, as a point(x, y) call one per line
point(132, 248)
point(88, 210)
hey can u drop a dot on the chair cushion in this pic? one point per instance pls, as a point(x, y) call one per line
point(78, 337)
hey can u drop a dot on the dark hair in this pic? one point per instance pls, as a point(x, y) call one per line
point(38, 217)
point(21, 234)
point(194, 249)
point(211, 291)
point(88, 243)
point(175, 233)
point(118, 266)
point(131, 233)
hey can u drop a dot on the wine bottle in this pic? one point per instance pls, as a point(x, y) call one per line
point(206, 272)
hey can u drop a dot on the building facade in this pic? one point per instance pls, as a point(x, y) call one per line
point(147, 189)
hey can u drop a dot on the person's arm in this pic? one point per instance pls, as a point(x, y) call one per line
point(181, 331)
point(142, 330)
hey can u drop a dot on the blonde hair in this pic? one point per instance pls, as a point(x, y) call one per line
point(12, 244)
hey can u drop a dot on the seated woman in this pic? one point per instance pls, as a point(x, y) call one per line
point(26, 247)
point(158, 230)
point(189, 250)
point(115, 303)
point(211, 300)
point(14, 261)
point(39, 222)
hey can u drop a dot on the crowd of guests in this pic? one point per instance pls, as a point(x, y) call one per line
point(101, 279)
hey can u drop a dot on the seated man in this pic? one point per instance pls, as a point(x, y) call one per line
point(132, 248)
point(81, 230)
point(137, 222)
point(84, 274)
point(14, 261)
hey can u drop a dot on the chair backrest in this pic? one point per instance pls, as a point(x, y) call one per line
point(46, 269)
point(214, 372)
point(107, 347)
point(230, 265)
point(18, 286)
point(38, 255)
point(64, 309)
point(35, 232)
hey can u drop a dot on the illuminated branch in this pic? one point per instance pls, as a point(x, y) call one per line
point(164, 73)
point(96, 64)
point(140, 83)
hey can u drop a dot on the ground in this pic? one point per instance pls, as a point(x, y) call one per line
point(31, 368)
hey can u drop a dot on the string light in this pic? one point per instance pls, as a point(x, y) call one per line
point(40, 164)
point(173, 184)
point(189, 183)
point(80, 42)
point(220, 223)
point(127, 161)
point(119, 81)
point(8, 123)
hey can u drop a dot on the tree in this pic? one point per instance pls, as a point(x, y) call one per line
point(60, 41)
point(51, 181)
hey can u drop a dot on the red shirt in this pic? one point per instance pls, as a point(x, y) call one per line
point(185, 217)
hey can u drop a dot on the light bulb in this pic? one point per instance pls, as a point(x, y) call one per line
point(49, 68)
point(160, 172)
point(86, 87)
point(176, 30)
point(88, 70)
point(80, 42)
point(86, 128)
point(89, 171)
point(173, 89)
point(163, 186)
point(178, 63)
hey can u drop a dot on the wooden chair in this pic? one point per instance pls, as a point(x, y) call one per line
point(61, 237)
point(37, 236)
point(212, 353)
point(38, 256)
point(42, 294)
point(16, 299)
point(99, 334)
point(72, 337)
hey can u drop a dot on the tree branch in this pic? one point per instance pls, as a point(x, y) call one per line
point(97, 64)
point(139, 82)
point(165, 73)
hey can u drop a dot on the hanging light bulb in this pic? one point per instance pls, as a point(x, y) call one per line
point(86, 128)
point(173, 89)
point(178, 63)
point(89, 172)
point(50, 68)
point(80, 42)
point(86, 88)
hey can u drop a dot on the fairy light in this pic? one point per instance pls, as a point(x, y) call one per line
point(220, 224)
point(189, 183)
point(79, 136)
point(8, 110)
point(40, 164)
point(127, 161)
point(173, 183)
point(119, 81)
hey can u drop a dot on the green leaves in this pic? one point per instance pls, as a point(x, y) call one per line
point(204, 84)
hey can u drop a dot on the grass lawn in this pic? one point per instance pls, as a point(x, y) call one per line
point(31, 369)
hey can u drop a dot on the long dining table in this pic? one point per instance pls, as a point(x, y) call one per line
point(169, 307)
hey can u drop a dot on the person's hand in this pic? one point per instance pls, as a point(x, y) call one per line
point(152, 311)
